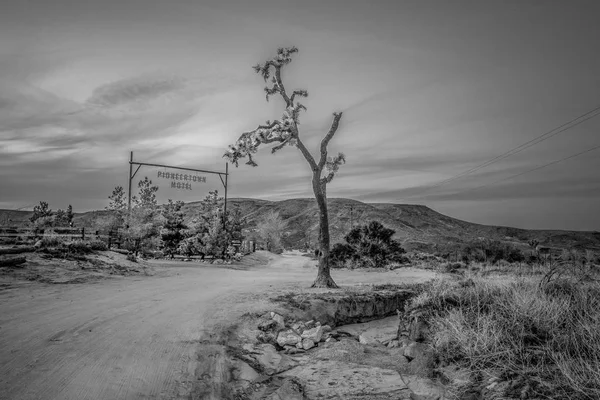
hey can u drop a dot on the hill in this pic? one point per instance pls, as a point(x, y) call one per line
point(415, 225)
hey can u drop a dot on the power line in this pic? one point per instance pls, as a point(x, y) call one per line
point(545, 136)
point(532, 170)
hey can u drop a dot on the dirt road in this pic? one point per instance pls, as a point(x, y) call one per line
point(135, 338)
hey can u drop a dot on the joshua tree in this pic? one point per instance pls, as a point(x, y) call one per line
point(286, 132)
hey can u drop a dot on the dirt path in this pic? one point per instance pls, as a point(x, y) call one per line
point(135, 338)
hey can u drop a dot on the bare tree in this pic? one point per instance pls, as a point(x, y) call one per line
point(285, 132)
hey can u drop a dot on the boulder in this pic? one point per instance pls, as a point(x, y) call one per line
point(307, 344)
point(313, 334)
point(413, 350)
point(288, 337)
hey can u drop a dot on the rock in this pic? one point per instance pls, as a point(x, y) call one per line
point(380, 331)
point(271, 361)
point(267, 337)
point(244, 372)
point(293, 350)
point(310, 324)
point(298, 327)
point(12, 262)
point(424, 389)
point(279, 320)
point(392, 344)
point(218, 261)
point(268, 325)
point(329, 379)
point(331, 339)
point(288, 390)
point(307, 343)
point(288, 337)
point(326, 328)
point(38, 244)
point(413, 351)
point(313, 334)
point(299, 345)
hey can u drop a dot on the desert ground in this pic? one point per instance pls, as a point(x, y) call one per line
point(137, 337)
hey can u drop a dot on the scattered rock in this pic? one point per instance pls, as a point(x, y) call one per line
point(313, 334)
point(307, 343)
point(310, 324)
point(271, 361)
point(38, 244)
point(279, 320)
point(338, 380)
point(424, 389)
point(293, 350)
point(289, 390)
point(380, 331)
point(268, 325)
point(331, 339)
point(392, 344)
point(218, 261)
point(288, 337)
point(267, 337)
point(414, 350)
point(326, 328)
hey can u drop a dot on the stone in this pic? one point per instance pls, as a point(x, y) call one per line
point(38, 244)
point(328, 379)
point(279, 320)
point(299, 345)
point(392, 344)
point(331, 339)
point(218, 261)
point(268, 325)
point(298, 327)
point(288, 337)
point(310, 324)
point(413, 351)
point(271, 361)
point(292, 350)
point(307, 344)
point(380, 331)
point(267, 337)
point(288, 390)
point(455, 375)
point(313, 334)
point(424, 388)
point(326, 328)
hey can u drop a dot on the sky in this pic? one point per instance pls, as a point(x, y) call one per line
point(428, 90)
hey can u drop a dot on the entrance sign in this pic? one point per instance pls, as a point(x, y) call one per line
point(179, 180)
point(187, 179)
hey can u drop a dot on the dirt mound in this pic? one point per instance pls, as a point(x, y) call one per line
point(52, 268)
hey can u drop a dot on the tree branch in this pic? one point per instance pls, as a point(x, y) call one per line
point(334, 126)
point(306, 153)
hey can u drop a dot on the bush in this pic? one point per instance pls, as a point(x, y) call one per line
point(97, 245)
point(372, 244)
point(131, 257)
point(51, 241)
point(544, 333)
point(79, 247)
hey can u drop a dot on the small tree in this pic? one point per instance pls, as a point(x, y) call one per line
point(60, 218)
point(174, 226)
point(70, 215)
point(41, 211)
point(271, 229)
point(144, 220)
point(285, 132)
point(118, 205)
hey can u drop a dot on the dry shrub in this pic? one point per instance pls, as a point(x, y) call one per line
point(547, 332)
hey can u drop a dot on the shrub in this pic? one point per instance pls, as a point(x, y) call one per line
point(52, 241)
point(545, 333)
point(97, 245)
point(372, 244)
point(131, 257)
point(79, 247)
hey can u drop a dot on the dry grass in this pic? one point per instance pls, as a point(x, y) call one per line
point(544, 332)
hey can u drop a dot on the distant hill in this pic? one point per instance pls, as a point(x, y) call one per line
point(415, 225)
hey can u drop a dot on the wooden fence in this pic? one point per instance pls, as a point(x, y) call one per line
point(70, 233)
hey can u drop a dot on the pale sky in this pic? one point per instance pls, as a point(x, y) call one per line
point(429, 89)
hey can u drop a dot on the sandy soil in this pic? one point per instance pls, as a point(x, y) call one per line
point(137, 337)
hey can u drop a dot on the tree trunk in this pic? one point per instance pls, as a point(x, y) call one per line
point(324, 279)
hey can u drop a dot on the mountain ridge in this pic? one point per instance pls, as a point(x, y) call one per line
point(414, 223)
